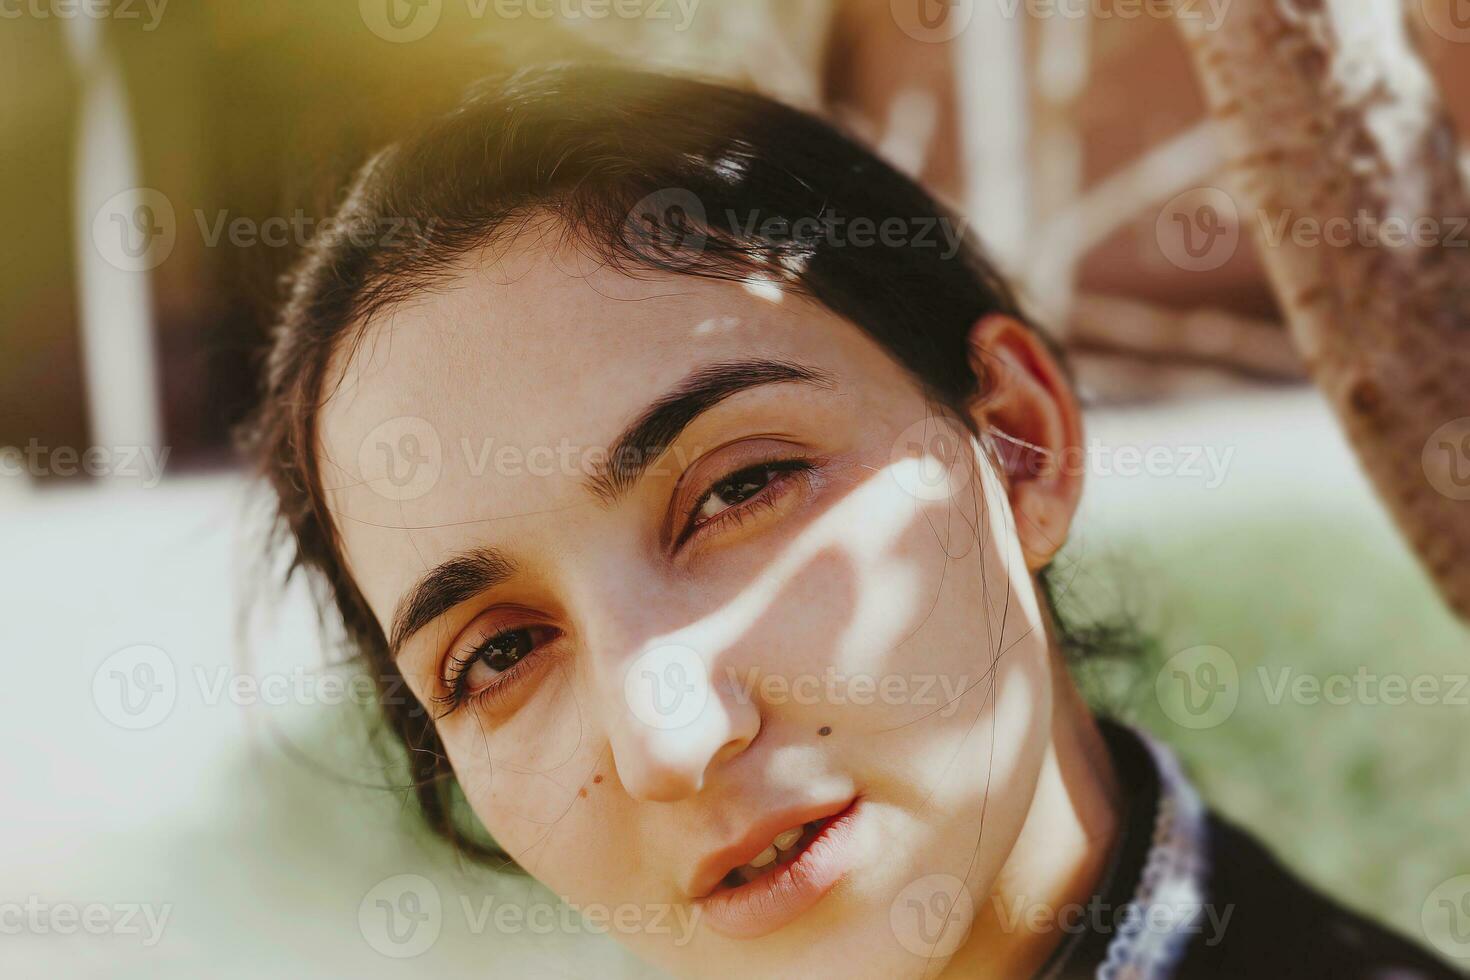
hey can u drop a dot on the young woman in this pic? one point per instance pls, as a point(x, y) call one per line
point(698, 480)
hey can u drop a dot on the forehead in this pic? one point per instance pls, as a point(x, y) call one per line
point(466, 414)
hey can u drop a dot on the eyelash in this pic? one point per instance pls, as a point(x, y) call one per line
point(782, 472)
point(456, 695)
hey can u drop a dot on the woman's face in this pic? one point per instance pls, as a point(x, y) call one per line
point(679, 566)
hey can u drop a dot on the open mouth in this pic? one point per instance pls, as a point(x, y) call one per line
point(790, 875)
point(784, 849)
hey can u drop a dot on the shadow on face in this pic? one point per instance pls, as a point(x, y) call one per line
point(669, 555)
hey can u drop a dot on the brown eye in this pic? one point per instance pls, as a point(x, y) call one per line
point(501, 652)
point(732, 490)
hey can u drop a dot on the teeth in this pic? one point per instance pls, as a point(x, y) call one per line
point(785, 840)
point(783, 843)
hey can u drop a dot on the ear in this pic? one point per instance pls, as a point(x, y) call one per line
point(1027, 408)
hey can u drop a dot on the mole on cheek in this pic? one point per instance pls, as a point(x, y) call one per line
point(597, 779)
point(825, 730)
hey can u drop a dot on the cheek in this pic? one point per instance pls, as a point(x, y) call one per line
point(893, 606)
point(979, 755)
point(923, 627)
point(542, 783)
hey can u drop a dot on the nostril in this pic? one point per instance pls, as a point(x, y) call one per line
point(659, 766)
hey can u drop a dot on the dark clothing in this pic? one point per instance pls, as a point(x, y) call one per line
point(1236, 912)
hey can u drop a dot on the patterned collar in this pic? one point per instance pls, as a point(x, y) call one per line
point(1158, 876)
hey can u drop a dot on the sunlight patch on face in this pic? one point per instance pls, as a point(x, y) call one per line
point(763, 288)
point(872, 522)
point(1002, 528)
point(832, 530)
point(977, 522)
point(717, 324)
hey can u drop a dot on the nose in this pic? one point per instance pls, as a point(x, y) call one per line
point(673, 722)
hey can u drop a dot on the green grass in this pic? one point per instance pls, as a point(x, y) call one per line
point(1368, 800)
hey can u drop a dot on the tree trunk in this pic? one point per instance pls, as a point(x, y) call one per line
point(1338, 144)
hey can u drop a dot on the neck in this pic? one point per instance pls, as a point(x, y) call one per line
point(1064, 845)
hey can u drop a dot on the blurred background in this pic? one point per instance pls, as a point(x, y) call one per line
point(203, 766)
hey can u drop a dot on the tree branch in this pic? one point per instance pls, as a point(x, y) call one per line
point(1339, 145)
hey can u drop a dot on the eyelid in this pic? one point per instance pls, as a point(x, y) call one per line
point(769, 497)
point(457, 658)
point(753, 450)
point(507, 683)
point(787, 471)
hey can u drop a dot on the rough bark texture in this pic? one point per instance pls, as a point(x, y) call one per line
point(1329, 114)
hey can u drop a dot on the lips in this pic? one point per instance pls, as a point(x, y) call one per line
point(756, 885)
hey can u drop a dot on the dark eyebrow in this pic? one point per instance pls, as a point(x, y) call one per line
point(647, 437)
point(451, 582)
point(643, 441)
